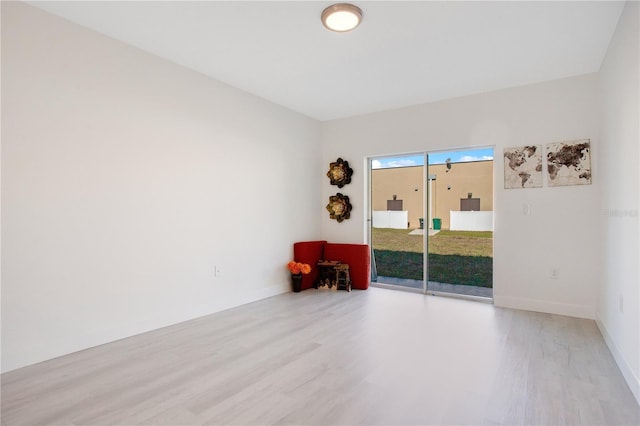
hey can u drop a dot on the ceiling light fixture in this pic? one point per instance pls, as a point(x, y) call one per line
point(341, 17)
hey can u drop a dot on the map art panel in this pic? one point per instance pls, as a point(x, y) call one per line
point(523, 167)
point(569, 163)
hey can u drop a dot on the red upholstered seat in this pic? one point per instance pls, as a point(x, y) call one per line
point(357, 256)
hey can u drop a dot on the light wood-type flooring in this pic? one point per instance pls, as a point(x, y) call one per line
point(336, 358)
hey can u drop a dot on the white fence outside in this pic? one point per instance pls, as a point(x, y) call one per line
point(471, 221)
point(391, 219)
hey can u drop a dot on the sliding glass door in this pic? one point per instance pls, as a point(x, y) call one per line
point(431, 222)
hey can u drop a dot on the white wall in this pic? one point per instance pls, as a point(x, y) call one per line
point(470, 221)
point(390, 219)
point(125, 179)
point(619, 296)
point(559, 232)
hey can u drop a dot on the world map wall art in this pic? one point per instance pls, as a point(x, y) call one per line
point(523, 167)
point(569, 163)
point(566, 163)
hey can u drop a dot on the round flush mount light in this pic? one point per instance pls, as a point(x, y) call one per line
point(341, 17)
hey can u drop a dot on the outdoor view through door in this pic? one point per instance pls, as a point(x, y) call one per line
point(437, 203)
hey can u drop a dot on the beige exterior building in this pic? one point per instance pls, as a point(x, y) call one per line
point(446, 187)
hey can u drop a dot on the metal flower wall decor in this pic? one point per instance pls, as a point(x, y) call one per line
point(339, 207)
point(339, 173)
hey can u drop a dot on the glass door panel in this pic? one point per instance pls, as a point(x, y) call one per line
point(460, 235)
point(397, 221)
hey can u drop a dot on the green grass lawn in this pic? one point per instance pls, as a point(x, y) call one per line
point(455, 257)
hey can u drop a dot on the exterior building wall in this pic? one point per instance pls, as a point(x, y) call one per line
point(404, 182)
point(448, 187)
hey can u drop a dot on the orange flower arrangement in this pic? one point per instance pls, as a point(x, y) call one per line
point(298, 268)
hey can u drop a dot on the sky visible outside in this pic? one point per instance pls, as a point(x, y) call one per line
point(434, 158)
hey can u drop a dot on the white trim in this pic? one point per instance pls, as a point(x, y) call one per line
point(627, 372)
point(366, 201)
point(545, 306)
point(426, 211)
point(480, 299)
point(397, 288)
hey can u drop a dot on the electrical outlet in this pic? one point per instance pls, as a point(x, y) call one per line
point(526, 209)
point(217, 271)
point(554, 273)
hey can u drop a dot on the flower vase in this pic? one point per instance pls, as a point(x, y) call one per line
point(296, 281)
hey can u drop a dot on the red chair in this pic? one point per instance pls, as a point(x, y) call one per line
point(357, 256)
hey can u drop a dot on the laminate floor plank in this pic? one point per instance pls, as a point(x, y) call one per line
point(336, 358)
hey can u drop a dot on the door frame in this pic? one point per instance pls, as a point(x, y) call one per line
point(368, 216)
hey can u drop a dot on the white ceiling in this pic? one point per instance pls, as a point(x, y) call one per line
point(403, 53)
